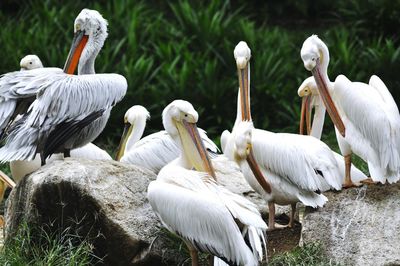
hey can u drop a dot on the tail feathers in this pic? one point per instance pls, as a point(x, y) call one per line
point(312, 199)
point(20, 145)
point(376, 173)
point(257, 242)
point(333, 178)
point(393, 178)
point(22, 153)
point(219, 262)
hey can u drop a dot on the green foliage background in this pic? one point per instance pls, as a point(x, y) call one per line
point(184, 49)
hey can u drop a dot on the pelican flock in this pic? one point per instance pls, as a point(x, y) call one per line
point(153, 151)
point(295, 167)
point(51, 113)
point(366, 117)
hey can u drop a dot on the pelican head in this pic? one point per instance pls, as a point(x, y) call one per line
point(242, 54)
point(30, 62)
point(308, 87)
point(179, 120)
point(90, 32)
point(242, 140)
point(243, 152)
point(310, 52)
point(135, 123)
point(307, 90)
point(315, 56)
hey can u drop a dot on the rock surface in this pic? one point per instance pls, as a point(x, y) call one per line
point(358, 226)
point(106, 200)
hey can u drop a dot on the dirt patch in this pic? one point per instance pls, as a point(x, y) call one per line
point(282, 240)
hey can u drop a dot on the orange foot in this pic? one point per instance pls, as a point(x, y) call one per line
point(349, 185)
point(277, 226)
point(368, 181)
point(1, 221)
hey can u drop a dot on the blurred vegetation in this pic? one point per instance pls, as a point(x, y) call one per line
point(184, 49)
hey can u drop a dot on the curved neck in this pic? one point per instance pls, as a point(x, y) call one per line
point(89, 54)
point(138, 130)
point(324, 60)
point(319, 117)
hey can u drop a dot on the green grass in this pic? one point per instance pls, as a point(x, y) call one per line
point(34, 246)
point(311, 254)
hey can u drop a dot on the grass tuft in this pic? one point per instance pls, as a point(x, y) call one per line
point(311, 254)
point(33, 245)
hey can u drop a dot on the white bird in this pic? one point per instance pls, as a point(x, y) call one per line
point(297, 167)
point(191, 204)
point(19, 169)
point(310, 99)
point(30, 61)
point(69, 111)
point(153, 151)
point(366, 118)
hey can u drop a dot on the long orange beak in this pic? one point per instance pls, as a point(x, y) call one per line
point(194, 148)
point(78, 44)
point(257, 172)
point(305, 115)
point(7, 180)
point(244, 92)
point(326, 98)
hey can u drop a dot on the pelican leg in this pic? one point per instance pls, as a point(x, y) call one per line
point(194, 255)
point(67, 153)
point(42, 159)
point(292, 213)
point(271, 218)
point(347, 179)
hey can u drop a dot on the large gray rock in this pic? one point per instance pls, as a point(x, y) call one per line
point(105, 200)
point(359, 226)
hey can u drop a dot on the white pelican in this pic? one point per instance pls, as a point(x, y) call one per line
point(19, 169)
point(69, 110)
point(310, 99)
point(30, 61)
point(153, 151)
point(366, 118)
point(191, 204)
point(297, 167)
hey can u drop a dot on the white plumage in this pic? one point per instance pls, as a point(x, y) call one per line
point(191, 204)
point(153, 151)
point(370, 120)
point(295, 166)
point(19, 169)
point(69, 111)
point(309, 89)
